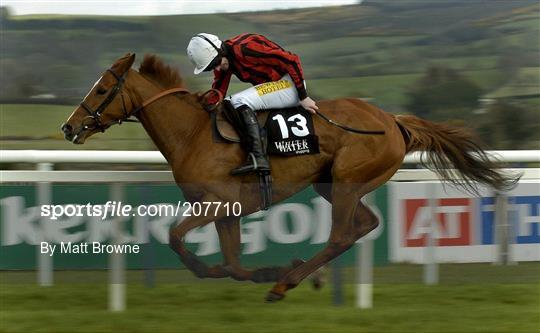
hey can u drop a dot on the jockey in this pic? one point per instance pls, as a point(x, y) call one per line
point(275, 73)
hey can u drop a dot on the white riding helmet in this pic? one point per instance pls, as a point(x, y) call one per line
point(202, 49)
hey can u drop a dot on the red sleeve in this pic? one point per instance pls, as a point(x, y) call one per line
point(271, 54)
point(221, 81)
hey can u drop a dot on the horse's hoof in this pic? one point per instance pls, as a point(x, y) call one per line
point(317, 279)
point(273, 297)
point(317, 284)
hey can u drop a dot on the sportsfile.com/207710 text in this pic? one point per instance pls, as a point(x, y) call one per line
point(112, 209)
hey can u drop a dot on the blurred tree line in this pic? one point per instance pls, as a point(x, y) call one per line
point(442, 94)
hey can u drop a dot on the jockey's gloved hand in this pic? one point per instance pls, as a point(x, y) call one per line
point(309, 104)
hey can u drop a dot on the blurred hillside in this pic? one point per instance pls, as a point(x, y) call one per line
point(382, 50)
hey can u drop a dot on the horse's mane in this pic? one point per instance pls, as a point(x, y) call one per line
point(154, 68)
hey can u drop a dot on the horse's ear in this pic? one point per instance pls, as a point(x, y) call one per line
point(131, 59)
point(123, 64)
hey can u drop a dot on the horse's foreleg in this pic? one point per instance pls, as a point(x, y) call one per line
point(228, 230)
point(190, 260)
point(324, 188)
point(229, 237)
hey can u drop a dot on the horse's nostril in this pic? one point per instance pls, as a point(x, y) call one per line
point(66, 128)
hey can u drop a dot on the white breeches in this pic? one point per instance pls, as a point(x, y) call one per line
point(270, 95)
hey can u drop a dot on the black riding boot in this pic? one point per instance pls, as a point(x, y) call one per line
point(256, 160)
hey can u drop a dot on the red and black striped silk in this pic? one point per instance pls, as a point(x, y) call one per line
point(255, 59)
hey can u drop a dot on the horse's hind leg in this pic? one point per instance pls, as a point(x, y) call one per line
point(351, 220)
point(364, 220)
point(342, 236)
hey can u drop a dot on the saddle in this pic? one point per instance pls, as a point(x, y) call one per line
point(227, 125)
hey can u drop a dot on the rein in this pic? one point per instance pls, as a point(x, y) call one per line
point(155, 98)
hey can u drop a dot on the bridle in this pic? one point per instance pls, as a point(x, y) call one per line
point(95, 115)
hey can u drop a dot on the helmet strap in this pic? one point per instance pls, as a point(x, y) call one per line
point(219, 51)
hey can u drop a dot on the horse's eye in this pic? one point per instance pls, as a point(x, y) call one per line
point(101, 91)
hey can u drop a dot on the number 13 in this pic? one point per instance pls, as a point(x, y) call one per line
point(299, 130)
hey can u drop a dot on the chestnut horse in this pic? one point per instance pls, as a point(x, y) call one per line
point(348, 166)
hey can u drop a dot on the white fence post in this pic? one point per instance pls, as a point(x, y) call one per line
point(503, 231)
point(431, 268)
point(117, 286)
point(364, 286)
point(44, 260)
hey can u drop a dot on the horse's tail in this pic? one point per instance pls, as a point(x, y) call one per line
point(448, 146)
